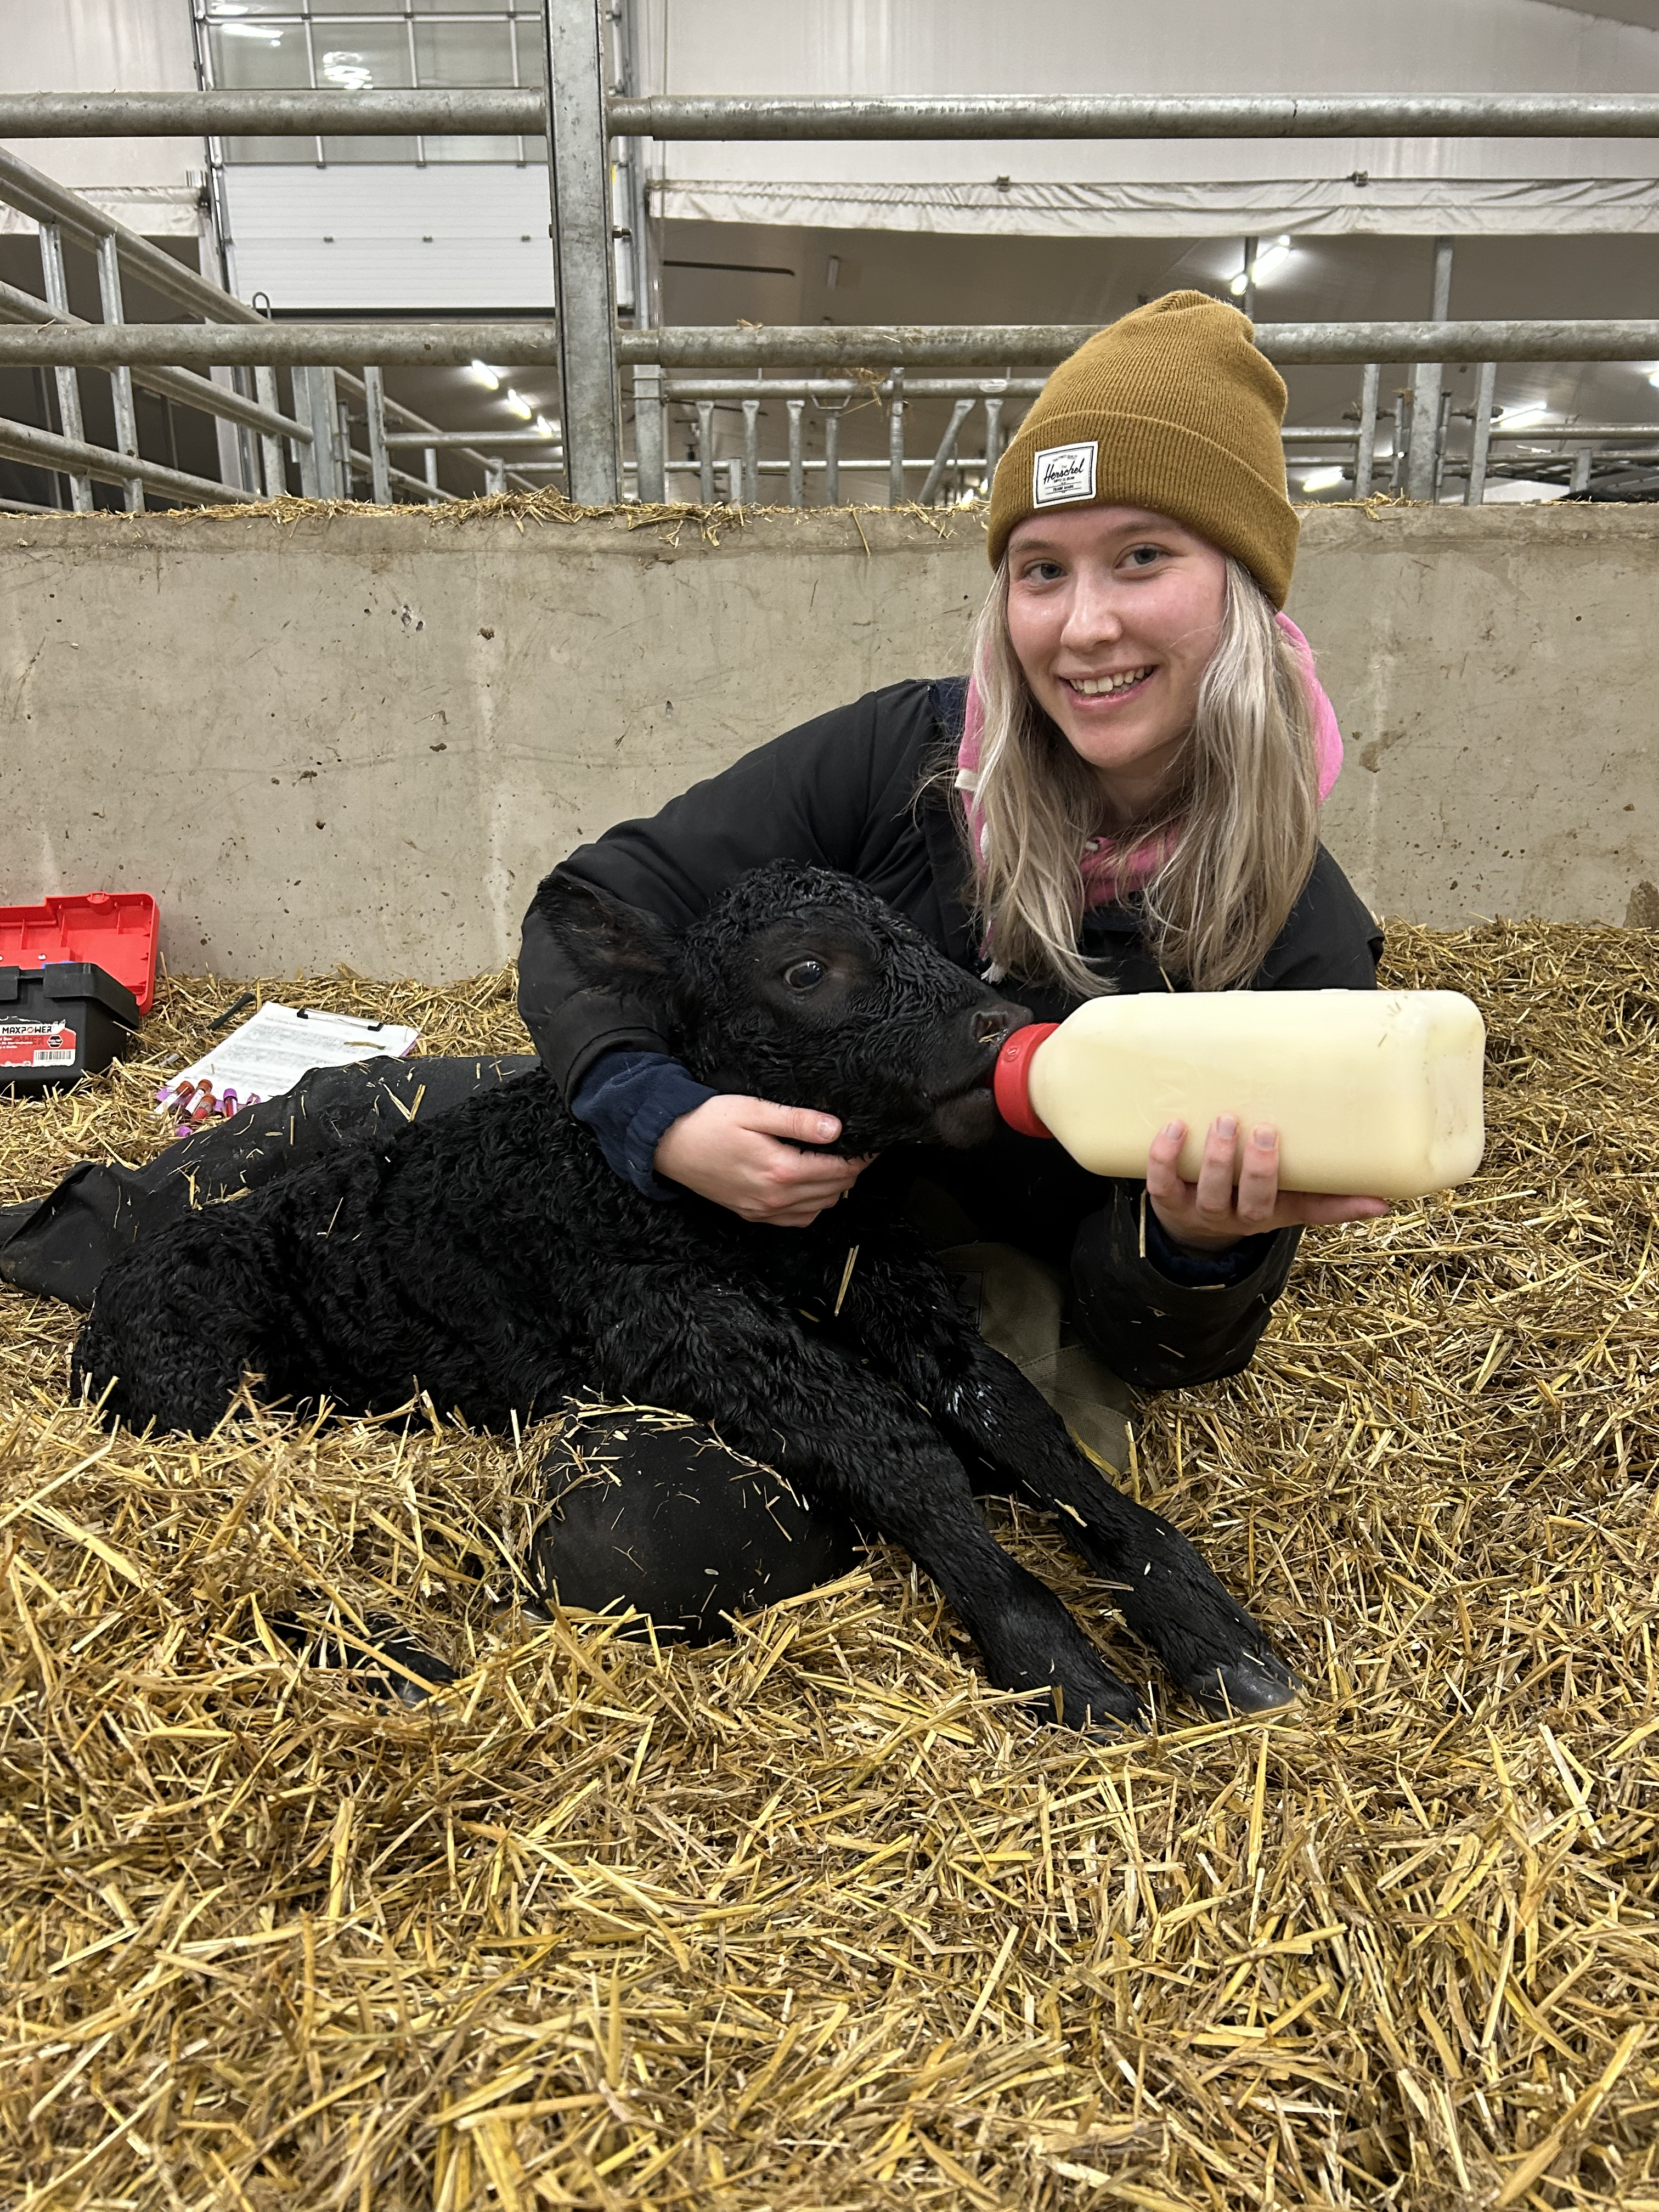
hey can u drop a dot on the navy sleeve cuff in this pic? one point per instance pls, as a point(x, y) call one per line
point(628, 1100)
point(1203, 1270)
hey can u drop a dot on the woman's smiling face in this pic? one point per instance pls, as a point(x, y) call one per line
point(1114, 613)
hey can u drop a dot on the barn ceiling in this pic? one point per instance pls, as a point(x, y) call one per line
point(1644, 12)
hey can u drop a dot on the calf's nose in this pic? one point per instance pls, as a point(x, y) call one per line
point(995, 1025)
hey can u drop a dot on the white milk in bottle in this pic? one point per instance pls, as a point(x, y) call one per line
point(1373, 1094)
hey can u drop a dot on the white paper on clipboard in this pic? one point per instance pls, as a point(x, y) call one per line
point(268, 1052)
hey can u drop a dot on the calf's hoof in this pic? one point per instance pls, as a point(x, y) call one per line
point(1104, 1707)
point(1254, 1682)
point(387, 1660)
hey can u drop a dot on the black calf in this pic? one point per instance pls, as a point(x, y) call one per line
point(494, 1260)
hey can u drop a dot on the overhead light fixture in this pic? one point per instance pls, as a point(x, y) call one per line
point(1522, 417)
point(1324, 479)
point(518, 404)
point(261, 31)
point(347, 72)
point(489, 377)
point(548, 430)
point(1271, 257)
point(1653, 375)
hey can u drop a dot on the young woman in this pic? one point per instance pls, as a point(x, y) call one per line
point(1123, 797)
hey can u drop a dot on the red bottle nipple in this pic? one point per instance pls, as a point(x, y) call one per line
point(1011, 1080)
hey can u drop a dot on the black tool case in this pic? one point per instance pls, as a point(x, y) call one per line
point(61, 1022)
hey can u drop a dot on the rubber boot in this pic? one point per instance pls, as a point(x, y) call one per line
point(1019, 1303)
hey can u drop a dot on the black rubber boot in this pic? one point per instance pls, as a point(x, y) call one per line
point(651, 1510)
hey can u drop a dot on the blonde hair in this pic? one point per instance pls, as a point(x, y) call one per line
point(1239, 827)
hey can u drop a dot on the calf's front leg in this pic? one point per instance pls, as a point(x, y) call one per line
point(906, 1315)
point(832, 1426)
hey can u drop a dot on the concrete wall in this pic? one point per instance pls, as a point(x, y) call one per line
point(365, 737)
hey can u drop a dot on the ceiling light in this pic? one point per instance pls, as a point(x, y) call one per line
point(548, 430)
point(1653, 375)
point(489, 377)
point(518, 404)
point(347, 72)
point(228, 7)
point(1324, 479)
point(252, 31)
point(1522, 417)
point(1270, 257)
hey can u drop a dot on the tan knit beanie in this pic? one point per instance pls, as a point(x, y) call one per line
point(1173, 409)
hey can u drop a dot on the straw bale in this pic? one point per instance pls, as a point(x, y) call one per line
point(812, 1918)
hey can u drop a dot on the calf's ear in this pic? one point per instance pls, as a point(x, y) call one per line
point(611, 945)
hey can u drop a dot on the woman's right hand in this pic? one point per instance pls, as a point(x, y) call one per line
point(743, 1153)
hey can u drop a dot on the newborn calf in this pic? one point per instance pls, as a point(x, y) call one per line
point(494, 1260)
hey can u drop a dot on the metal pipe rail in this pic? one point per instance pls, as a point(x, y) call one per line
point(44, 449)
point(33, 193)
point(1556, 433)
point(487, 441)
point(825, 388)
point(49, 203)
point(689, 116)
point(104, 345)
point(180, 384)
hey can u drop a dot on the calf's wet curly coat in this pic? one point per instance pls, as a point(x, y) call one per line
point(493, 1259)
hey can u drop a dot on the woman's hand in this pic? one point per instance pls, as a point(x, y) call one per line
point(1233, 1199)
point(742, 1152)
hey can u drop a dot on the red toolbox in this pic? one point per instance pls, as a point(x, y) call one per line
point(116, 931)
point(76, 976)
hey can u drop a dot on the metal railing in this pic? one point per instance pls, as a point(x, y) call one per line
point(315, 435)
point(580, 120)
point(669, 116)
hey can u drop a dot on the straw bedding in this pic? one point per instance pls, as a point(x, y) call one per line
point(812, 1918)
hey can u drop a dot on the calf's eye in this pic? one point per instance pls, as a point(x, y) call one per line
point(804, 974)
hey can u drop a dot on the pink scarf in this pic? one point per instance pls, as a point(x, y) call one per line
point(1108, 872)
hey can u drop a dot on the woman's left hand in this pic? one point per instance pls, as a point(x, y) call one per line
point(1232, 1197)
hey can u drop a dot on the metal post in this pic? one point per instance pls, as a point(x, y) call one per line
point(1486, 386)
point(226, 433)
point(379, 461)
point(832, 456)
point(120, 379)
point(734, 482)
point(495, 476)
point(1426, 389)
point(430, 466)
point(584, 265)
point(68, 387)
point(797, 472)
point(271, 448)
point(1403, 418)
point(633, 166)
point(706, 451)
point(341, 443)
point(947, 446)
point(895, 441)
point(647, 434)
point(318, 404)
point(1441, 440)
point(1581, 471)
point(1365, 450)
point(752, 446)
point(311, 461)
point(1247, 298)
point(993, 437)
point(324, 409)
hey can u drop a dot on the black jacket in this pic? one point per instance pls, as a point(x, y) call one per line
point(867, 788)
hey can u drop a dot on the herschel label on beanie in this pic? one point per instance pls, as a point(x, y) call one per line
point(1060, 473)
